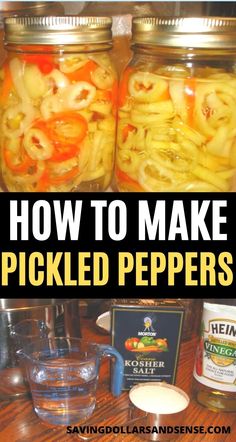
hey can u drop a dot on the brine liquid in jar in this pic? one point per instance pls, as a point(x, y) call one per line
point(177, 107)
point(58, 99)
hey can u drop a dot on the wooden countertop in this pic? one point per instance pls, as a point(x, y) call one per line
point(19, 423)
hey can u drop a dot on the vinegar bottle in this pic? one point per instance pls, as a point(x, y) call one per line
point(214, 376)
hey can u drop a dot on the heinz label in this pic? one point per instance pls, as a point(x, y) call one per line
point(148, 337)
point(215, 364)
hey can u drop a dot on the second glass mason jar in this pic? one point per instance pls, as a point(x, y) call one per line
point(177, 107)
point(58, 104)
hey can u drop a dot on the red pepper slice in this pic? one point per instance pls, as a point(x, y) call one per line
point(83, 73)
point(23, 166)
point(125, 132)
point(43, 182)
point(7, 84)
point(130, 183)
point(103, 95)
point(64, 152)
point(66, 127)
point(189, 90)
point(45, 62)
point(66, 130)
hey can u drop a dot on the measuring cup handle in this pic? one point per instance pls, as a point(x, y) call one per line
point(118, 368)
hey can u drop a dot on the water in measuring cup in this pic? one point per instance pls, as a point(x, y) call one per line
point(64, 398)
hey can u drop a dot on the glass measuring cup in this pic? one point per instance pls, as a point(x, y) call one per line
point(63, 376)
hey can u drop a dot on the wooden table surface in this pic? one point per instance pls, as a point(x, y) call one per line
point(19, 423)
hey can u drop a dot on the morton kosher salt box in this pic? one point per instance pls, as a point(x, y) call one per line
point(147, 333)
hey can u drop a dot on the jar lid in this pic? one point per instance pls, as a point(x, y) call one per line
point(57, 30)
point(188, 32)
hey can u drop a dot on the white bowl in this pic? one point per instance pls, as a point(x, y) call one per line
point(104, 321)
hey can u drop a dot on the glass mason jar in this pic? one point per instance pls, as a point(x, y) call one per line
point(58, 100)
point(177, 107)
